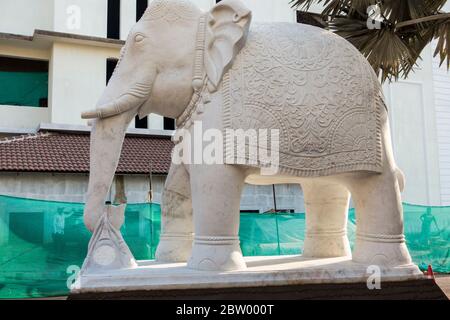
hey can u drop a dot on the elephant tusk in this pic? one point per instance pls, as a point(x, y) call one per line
point(101, 113)
point(108, 110)
point(125, 102)
point(93, 114)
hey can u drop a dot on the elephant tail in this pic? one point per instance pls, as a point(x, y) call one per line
point(400, 179)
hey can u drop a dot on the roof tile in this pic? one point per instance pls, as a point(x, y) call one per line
point(67, 152)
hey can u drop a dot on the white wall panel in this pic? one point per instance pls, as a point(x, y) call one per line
point(24, 16)
point(127, 17)
point(441, 84)
point(271, 10)
point(92, 17)
point(78, 80)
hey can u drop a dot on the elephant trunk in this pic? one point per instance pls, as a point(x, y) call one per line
point(112, 119)
point(107, 137)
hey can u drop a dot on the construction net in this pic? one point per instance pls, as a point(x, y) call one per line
point(43, 243)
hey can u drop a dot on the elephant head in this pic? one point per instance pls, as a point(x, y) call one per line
point(174, 51)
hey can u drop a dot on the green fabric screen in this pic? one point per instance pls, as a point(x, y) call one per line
point(39, 250)
point(23, 88)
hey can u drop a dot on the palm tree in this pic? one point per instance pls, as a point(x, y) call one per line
point(391, 34)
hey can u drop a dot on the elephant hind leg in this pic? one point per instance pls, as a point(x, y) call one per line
point(379, 215)
point(379, 212)
point(176, 237)
point(326, 219)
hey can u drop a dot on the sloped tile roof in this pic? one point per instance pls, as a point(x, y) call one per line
point(69, 153)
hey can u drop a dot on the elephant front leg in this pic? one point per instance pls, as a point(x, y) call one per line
point(176, 237)
point(216, 193)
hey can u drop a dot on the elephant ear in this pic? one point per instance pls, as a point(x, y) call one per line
point(227, 28)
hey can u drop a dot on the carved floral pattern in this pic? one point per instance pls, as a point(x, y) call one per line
point(317, 89)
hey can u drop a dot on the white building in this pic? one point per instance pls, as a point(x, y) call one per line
point(75, 43)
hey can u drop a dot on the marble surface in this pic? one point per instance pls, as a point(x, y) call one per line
point(180, 62)
point(261, 271)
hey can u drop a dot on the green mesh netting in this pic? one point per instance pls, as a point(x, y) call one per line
point(43, 242)
point(23, 88)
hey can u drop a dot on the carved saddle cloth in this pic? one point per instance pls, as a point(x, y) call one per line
point(317, 89)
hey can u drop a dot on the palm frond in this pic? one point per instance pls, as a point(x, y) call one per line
point(442, 33)
point(407, 27)
point(334, 7)
point(388, 54)
point(435, 5)
point(402, 10)
point(433, 27)
point(305, 5)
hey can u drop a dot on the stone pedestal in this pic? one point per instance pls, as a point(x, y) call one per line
point(261, 272)
point(422, 289)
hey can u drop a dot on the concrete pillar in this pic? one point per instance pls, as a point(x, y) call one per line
point(127, 17)
point(120, 196)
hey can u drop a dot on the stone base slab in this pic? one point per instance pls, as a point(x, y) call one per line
point(423, 289)
point(261, 272)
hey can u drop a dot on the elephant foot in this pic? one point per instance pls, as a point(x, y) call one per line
point(381, 250)
point(174, 247)
point(216, 254)
point(326, 244)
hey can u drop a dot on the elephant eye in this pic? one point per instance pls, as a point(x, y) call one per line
point(139, 38)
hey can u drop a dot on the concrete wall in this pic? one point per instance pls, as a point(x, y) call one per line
point(86, 17)
point(24, 16)
point(44, 186)
point(23, 117)
point(288, 197)
point(73, 187)
point(271, 10)
point(127, 17)
point(413, 126)
point(441, 84)
point(137, 187)
point(78, 80)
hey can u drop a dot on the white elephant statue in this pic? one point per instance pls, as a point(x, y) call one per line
point(311, 85)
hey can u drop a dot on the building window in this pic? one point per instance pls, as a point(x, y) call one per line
point(312, 19)
point(113, 19)
point(23, 82)
point(141, 123)
point(169, 124)
point(249, 211)
point(111, 64)
point(141, 6)
point(285, 211)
